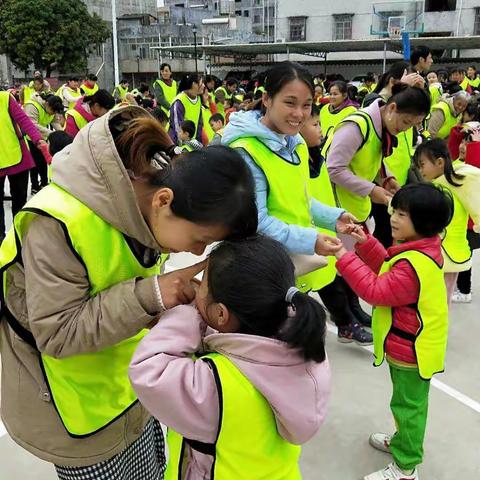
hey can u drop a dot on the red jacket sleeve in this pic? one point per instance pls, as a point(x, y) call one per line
point(472, 156)
point(372, 252)
point(396, 288)
point(454, 141)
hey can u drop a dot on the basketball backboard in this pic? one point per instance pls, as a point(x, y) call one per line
point(395, 17)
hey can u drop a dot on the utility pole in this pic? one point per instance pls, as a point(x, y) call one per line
point(115, 43)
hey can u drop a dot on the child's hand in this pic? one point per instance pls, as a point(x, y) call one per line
point(326, 245)
point(345, 223)
point(359, 234)
point(341, 252)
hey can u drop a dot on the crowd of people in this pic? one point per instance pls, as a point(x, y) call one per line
point(308, 187)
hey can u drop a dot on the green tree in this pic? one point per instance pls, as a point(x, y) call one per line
point(49, 33)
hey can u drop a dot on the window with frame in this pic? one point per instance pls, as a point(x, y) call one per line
point(342, 26)
point(476, 24)
point(298, 29)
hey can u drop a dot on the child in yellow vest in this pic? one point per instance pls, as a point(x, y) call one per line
point(410, 318)
point(463, 181)
point(259, 384)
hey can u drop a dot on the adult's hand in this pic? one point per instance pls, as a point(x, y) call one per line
point(380, 195)
point(179, 287)
point(413, 79)
point(326, 245)
point(345, 223)
point(391, 185)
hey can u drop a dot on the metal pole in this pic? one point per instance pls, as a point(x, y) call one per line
point(115, 44)
point(195, 49)
point(263, 17)
point(268, 21)
point(384, 56)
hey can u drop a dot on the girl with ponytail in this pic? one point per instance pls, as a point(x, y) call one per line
point(259, 383)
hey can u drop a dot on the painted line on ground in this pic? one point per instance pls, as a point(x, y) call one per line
point(450, 391)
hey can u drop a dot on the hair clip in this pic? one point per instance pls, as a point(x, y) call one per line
point(290, 294)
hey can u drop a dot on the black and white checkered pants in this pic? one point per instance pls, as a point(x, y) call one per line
point(142, 460)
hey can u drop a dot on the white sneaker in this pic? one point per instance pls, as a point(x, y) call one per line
point(380, 441)
point(392, 472)
point(459, 297)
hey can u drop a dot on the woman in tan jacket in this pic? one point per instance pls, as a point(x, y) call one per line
point(83, 279)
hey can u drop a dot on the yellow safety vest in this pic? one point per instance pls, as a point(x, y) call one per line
point(465, 83)
point(435, 94)
point(206, 115)
point(430, 342)
point(169, 92)
point(321, 190)
point(89, 390)
point(122, 92)
point(400, 161)
point(90, 91)
point(10, 150)
point(75, 93)
point(288, 193)
point(450, 120)
point(248, 445)
point(259, 89)
point(28, 91)
point(329, 120)
point(193, 111)
point(220, 106)
point(44, 119)
point(454, 238)
point(474, 83)
point(365, 164)
point(79, 119)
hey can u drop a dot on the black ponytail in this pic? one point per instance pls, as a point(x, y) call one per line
point(411, 100)
point(306, 329)
point(251, 277)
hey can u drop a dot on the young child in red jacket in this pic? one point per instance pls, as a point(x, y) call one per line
point(410, 319)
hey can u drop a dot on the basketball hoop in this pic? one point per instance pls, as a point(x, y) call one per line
point(395, 33)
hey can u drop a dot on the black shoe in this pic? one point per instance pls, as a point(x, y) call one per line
point(354, 333)
point(361, 316)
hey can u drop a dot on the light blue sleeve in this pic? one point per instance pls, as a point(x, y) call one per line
point(325, 216)
point(295, 239)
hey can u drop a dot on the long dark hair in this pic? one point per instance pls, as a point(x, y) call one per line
point(211, 186)
point(434, 149)
point(102, 98)
point(396, 72)
point(251, 278)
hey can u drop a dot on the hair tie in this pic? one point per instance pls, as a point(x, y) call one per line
point(290, 294)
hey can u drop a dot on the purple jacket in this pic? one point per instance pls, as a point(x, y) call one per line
point(23, 126)
point(181, 392)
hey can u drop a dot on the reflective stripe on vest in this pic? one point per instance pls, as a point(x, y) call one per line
point(10, 151)
point(321, 190)
point(365, 164)
point(248, 445)
point(44, 119)
point(288, 192)
point(169, 92)
point(399, 162)
point(89, 390)
point(454, 239)
point(449, 120)
point(430, 342)
point(193, 111)
point(79, 119)
point(329, 120)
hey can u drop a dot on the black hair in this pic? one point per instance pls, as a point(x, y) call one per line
point(454, 70)
point(160, 115)
point(434, 149)
point(285, 72)
point(251, 278)
point(231, 81)
point(341, 85)
point(147, 103)
point(38, 79)
point(102, 98)
point(164, 65)
point(73, 79)
point(143, 88)
point(473, 110)
point(123, 80)
point(411, 100)
point(452, 88)
point(54, 102)
point(57, 141)
point(211, 186)
point(419, 52)
point(92, 77)
point(395, 71)
point(370, 77)
point(187, 81)
point(209, 78)
point(189, 127)
point(217, 117)
point(430, 207)
point(249, 96)
point(315, 110)
point(473, 66)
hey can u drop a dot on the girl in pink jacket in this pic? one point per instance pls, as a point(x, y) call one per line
point(268, 379)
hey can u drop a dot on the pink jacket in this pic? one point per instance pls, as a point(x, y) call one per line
point(398, 288)
point(70, 126)
point(23, 126)
point(181, 392)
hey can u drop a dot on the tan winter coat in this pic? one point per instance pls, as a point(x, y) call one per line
point(49, 296)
